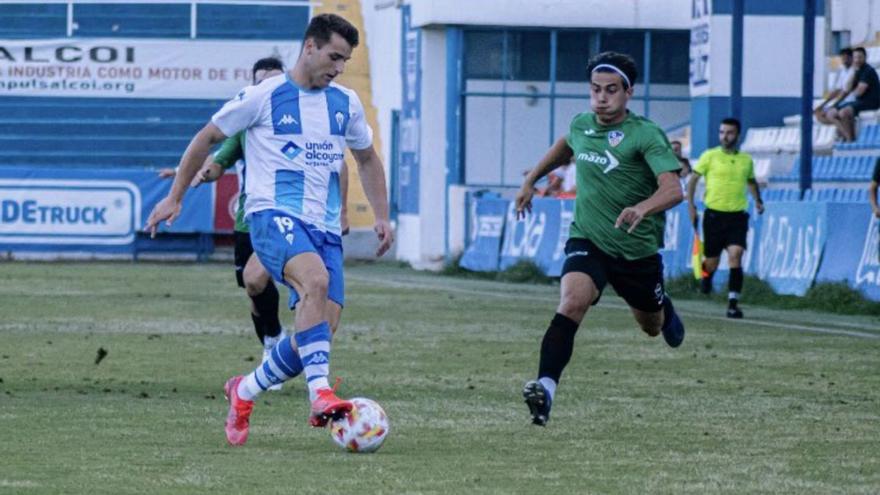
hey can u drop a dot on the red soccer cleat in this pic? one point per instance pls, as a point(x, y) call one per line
point(238, 419)
point(327, 406)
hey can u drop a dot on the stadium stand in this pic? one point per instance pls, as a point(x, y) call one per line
point(835, 169)
point(867, 139)
point(122, 132)
point(92, 132)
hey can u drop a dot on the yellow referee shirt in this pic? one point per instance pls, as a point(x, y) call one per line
point(727, 175)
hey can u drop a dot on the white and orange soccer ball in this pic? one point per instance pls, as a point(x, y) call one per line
point(363, 429)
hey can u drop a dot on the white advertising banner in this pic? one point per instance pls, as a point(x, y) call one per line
point(134, 68)
point(69, 211)
point(701, 16)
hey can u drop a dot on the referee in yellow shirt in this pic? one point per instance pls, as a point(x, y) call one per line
point(725, 222)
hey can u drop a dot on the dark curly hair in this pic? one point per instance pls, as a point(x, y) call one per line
point(624, 62)
point(323, 26)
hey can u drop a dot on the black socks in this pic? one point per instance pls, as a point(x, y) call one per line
point(266, 305)
point(557, 346)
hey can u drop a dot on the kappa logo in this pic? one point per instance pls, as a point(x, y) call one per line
point(318, 358)
point(287, 119)
point(615, 137)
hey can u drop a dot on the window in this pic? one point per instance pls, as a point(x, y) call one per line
point(484, 51)
point(631, 43)
point(574, 49)
point(513, 108)
point(529, 55)
point(669, 57)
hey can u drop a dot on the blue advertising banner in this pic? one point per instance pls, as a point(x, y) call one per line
point(410, 115)
point(87, 209)
point(852, 249)
point(535, 237)
point(867, 279)
point(790, 245)
point(553, 266)
point(678, 238)
point(487, 226)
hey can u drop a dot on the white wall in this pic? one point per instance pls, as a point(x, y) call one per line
point(859, 17)
point(765, 72)
point(630, 14)
point(432, 158)
point(383, 41)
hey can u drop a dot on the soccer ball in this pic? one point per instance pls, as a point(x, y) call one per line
point(363, 429)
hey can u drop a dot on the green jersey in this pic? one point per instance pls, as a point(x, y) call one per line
point(230, 152)
point(617, 167)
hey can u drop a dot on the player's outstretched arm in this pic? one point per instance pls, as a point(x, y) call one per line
point(168, 209)
point(691, 192)
point(667, 195)
point(373, 179)
point(210, 172)
point(756, 193)
point(559, 154)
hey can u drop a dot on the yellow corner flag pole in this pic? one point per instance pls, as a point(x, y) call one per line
point(697, 253)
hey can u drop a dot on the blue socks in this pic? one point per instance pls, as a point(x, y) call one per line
point(314, 351)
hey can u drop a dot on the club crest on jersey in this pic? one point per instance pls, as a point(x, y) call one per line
point(615, 137)
point(291, 150)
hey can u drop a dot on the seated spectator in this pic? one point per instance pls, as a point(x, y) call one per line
point(866, 86)
point(560, 182)
point(685, 163)
point(827, 110)
point(567, 180)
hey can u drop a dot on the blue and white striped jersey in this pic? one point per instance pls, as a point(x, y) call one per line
point(295, 144)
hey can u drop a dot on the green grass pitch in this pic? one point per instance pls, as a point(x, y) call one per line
point(782, 402)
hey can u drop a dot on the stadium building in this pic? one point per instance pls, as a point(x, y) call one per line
point(464, 96)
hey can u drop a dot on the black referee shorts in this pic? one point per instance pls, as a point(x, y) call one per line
point(639, 282)
point(722, 229)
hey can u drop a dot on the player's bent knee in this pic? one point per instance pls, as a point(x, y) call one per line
point(574, 308)
point(254, 287)
point(315, 287)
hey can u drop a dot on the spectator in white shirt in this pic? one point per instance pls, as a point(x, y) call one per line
point(827, 110)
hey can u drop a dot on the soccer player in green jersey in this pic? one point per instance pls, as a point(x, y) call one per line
point(725, 222)
point(627, 176)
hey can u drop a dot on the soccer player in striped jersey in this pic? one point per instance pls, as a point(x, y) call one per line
point(297, 127)
point(249, 273)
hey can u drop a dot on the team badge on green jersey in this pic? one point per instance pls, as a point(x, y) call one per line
point(615, 137)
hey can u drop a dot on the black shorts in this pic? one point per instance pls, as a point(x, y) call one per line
point(857, 106)
point(639, 282)
point(243, 251)
point(722, 229)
